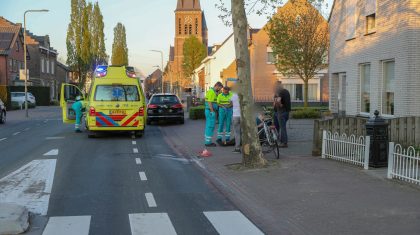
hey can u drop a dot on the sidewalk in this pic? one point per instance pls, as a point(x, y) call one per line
point(303, 194)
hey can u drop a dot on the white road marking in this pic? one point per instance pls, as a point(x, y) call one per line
point(138, 161)
point(52, 152)
point(30, 185)
point(3, 139)
point(16, 133)
point(150, 200)
point(142, 176)
point(55, 138)
point(68, 225)
point(151, 223)
point(232, 223)
point(134, 142)
point(135, 150)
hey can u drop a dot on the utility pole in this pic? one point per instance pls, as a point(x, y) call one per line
point(161, 56)
point(24, 57)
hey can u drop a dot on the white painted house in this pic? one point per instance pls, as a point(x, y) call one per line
point(375, 57)
point(221, 57)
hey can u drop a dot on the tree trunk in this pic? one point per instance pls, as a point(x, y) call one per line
point(252, 156)
point(305, 93)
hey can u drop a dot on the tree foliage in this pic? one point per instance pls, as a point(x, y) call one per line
point(85, 39)
point(119, 46)
point(299, 37)
point(194, 52)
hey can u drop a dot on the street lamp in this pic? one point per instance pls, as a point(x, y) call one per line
point(24, 56)
point(161, 55)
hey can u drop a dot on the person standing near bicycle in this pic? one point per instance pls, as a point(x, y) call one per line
point(236, 119)
point(282, 107)
point(224, 101)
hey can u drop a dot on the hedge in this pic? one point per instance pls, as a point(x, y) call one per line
point(197, 113)
point(42, 94)
point(306, 114)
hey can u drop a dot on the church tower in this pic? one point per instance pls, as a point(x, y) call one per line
point(189, 20)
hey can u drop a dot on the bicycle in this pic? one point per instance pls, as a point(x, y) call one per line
point(268, 135)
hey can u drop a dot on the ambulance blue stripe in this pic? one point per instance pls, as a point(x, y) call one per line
point(109, 119)
point(101, 122)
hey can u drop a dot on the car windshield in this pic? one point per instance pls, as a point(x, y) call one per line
point(116, 93)
point(18, 94)
point(164, 99)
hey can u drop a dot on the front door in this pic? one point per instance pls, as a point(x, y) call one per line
point(342, 93)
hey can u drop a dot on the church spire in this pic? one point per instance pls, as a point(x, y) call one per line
point(188, 5)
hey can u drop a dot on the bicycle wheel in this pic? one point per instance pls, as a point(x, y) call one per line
point(275, 143)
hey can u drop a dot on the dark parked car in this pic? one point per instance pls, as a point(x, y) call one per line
point(165, 107)
point(2, 112)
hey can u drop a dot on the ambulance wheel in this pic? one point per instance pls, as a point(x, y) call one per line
point(139, 134)
point(91, 135)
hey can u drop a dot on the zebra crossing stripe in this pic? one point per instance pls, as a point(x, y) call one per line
point(151, 223)
point(68, 225)
point(232, 223)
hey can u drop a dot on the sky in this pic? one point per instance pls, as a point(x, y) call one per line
point(149, 24)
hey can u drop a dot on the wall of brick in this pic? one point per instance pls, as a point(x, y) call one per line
point(396, 37)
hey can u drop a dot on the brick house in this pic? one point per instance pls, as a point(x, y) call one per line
point(221, 65)
point(11, 52)
point(42, 63)
point(375, 57)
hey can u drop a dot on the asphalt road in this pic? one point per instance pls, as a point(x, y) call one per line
point(112, 184)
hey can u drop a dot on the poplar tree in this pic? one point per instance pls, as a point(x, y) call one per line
point(194, 52)
point(119, 46)
point(98, 37)
point(85, 40)
point(75, 38)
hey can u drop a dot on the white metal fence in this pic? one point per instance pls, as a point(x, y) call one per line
point(350, 149)
point(404, 164)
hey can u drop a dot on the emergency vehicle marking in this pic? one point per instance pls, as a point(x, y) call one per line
point(111, 121)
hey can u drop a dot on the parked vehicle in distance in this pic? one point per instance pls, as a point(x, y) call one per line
point(165, 107)
point(19, 97)
point(2, 112)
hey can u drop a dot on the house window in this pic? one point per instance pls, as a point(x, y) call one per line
point(185, 29)
point(370, 23)
point(190, 29)
point(271, 59)
point(179, 26)
point(389, 87)
point(52, 67)
point(351, 19)
point(17, 46)
point(312, 92)
point(365, 88)
point(47, 63)
point(10, 65)
point(42, 65)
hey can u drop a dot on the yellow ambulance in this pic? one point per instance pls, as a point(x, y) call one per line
point(115, 102)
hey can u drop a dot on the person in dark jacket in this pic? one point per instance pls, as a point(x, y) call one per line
point(282, 107)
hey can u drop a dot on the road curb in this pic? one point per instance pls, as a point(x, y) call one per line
point(14, 219)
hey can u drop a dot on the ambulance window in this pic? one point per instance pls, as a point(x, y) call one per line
point(116, 93)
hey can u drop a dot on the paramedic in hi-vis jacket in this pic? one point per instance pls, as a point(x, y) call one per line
point(78, 109)
point(224, 101)
point(210, 111)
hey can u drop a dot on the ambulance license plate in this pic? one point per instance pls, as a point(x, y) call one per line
point(117, 112)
